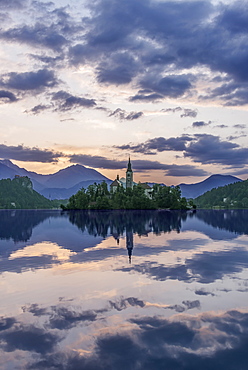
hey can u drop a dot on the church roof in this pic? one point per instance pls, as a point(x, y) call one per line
point(145, 186)
point(115, 183)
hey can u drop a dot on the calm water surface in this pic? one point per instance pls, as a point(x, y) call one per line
point(124, 290)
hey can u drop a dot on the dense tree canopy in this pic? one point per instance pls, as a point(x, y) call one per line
point(229, 196)
point(97, 196)
point(19, 194)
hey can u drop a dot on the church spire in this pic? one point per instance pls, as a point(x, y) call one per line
point(129, 166)
point(129, 175)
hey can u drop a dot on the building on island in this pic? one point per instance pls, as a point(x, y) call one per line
point(115, 184)
point(148, 189)
point(129, 183)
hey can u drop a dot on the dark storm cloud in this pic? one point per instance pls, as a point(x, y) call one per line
point(67, 101)
point(7, 95)
point(210, 149)
point(22, 153)
point(138, 165)
point(30, 81)
point(123, 115)
point(200, 123)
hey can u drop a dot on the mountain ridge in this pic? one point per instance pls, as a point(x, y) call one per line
point(67, 181)
point(213, 181)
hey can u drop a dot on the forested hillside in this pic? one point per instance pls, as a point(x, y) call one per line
point(19, 194)
point(229, 196)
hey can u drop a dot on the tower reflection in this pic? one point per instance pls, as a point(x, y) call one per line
point(129, 244)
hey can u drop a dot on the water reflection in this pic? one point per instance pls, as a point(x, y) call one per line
point(127, 290)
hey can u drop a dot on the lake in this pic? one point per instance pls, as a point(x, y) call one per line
point(124, 290)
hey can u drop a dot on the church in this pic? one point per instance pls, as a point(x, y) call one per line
point(129, 183)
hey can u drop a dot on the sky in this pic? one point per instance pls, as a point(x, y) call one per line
point(94, 82)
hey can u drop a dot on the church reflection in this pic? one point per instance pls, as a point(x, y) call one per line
point(129, 244)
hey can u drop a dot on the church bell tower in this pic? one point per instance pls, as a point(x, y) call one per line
point(129, 175)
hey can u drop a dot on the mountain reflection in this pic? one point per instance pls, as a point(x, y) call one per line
point(235, 221)
point(18, 225)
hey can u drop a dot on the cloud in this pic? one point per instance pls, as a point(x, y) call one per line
point(158, 144)
point(12, 4)
point(28, 338)
point(221, 126)
point(189, 113)
point(123, 303)
point(38, 109)
point(202, 268)
point(200, 123)
point(138, 165)
point(172, 110)
point(123, 115)
point(173, 86)
point(67, 101)
point(66, 318)
point(25, 154)
point(118, 69)
point(148, 97)
point(240, 126)
point(37, 35)
point(7, 96)
point(208, 149)
point(203, 148)
point(202, 341)
point(150, 42)
point(30, 81)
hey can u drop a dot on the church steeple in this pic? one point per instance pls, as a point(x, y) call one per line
point(129, 166)
point(129, 175)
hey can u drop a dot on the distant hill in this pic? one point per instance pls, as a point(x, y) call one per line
point(19, 194)
point(59, 185)
point(228, 196)
point(214, 181)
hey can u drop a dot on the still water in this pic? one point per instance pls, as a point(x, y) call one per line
point(124, 290)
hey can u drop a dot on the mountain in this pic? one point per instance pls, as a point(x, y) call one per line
point(63, 193)
point(214, 181)
point(60, 185)
point(70, 176)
